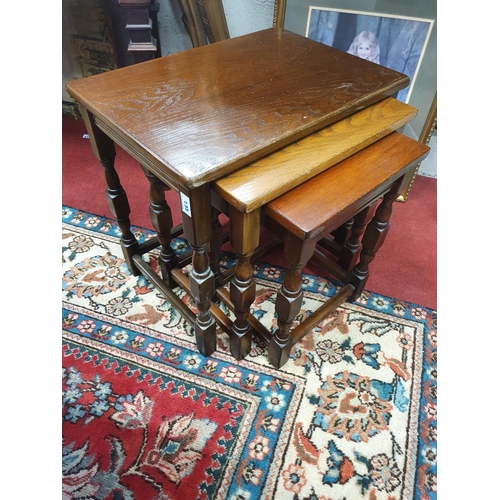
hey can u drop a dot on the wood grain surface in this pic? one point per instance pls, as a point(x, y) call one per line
point(329, 199)
point(203, 113)
point(261, 182)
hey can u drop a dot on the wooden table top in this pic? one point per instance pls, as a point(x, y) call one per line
point(355, 181)
point(260, 182)
point(201, 114)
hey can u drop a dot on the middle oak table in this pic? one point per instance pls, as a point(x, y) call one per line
point(196, 116)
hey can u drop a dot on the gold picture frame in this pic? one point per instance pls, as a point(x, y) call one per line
point(279, 13)
point(425, 136)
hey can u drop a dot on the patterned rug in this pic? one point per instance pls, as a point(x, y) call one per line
point(352, 415)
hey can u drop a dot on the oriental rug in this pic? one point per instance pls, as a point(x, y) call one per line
point(352, 415)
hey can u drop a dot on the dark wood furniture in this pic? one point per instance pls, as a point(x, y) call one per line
point(194, 117)
point(142, 44)
point(306, 215)
point(205, 21)
point(316, 208)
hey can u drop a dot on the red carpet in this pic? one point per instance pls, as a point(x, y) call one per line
point(352, 414)
point(405, 267)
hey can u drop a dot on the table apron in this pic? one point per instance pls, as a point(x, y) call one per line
point(138, 154)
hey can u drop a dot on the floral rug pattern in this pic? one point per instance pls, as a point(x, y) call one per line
point(352, 415)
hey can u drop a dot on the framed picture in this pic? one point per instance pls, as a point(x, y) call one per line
point(402, 33)
point(395, 42)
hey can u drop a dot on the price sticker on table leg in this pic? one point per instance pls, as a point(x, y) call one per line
point(185, 204)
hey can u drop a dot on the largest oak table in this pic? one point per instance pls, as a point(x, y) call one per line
point(193, 117)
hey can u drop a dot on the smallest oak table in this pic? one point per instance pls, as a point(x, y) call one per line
point(193, 117)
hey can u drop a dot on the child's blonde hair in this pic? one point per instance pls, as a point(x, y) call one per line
point(372, 39)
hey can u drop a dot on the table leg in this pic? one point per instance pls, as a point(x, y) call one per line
point(196, 210)
point(161, 219)
point(289, 299)
point(342, 233)
point(216, 242)
point(244, 234)
point(350, 251)
point(104, 150)
point(373, 239)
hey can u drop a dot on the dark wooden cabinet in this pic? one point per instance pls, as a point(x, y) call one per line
point(142, 28)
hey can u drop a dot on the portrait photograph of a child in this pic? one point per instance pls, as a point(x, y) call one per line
point(395, 42)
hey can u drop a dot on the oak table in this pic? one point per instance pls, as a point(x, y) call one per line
point(193, 117)
point(263, 184)
point(306, 226)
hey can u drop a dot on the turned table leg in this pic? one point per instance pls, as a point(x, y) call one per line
point(161, 219)
point(350, 251)
point(289, 299)
point(342, 233)
point(216, 242)
point(373, 239)
point(104, 150)
point(245, 234)
point(197, 223)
